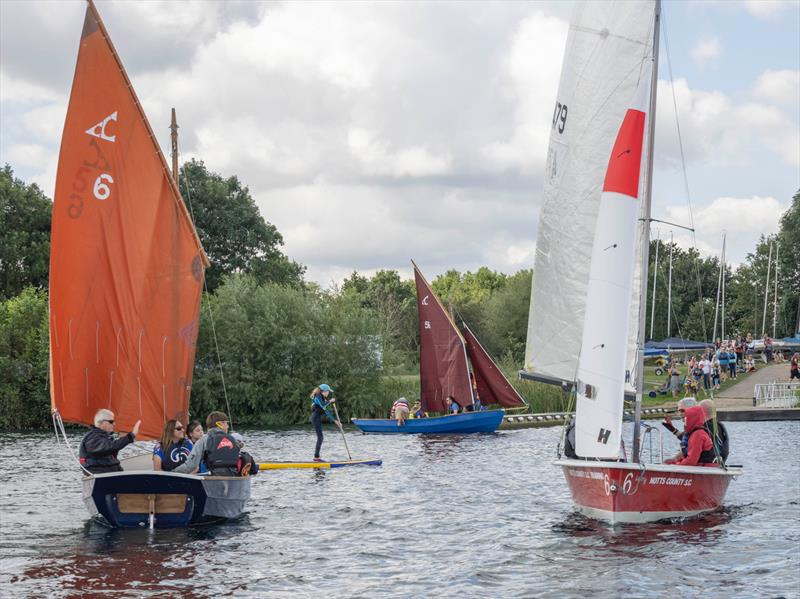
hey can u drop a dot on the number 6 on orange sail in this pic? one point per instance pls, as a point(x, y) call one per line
point(595, 196)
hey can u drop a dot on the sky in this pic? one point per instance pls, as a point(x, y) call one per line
point(371, 133)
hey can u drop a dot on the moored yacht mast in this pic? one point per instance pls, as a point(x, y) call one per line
point(645, 233)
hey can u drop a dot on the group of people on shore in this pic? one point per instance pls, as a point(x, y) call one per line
point(724, 360)
point(186, 450)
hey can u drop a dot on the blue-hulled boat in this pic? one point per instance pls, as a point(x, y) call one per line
point(468, 422)
point(446, 380)
point(126, 279)
point(158, 499)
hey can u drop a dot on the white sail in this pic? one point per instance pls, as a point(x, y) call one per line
point(606, 47)
point(603, 361)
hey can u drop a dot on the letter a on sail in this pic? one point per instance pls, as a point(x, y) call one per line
point(99, 130)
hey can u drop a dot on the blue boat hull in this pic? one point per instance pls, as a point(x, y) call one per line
point(126, 499)
point(468, 422)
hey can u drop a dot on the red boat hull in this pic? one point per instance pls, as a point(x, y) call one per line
point(617, 492)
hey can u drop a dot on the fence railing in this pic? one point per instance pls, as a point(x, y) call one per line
point(777, 395)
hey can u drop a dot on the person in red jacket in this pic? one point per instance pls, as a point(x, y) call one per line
point(700, 450)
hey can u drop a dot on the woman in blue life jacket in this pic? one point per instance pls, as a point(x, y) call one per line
point(173, 448)
point(319, 406)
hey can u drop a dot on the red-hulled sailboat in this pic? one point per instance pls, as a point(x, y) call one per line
point(588, 299)
point(445, 355)
point(126, 277)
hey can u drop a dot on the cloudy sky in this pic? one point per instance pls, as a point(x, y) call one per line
point(373, 132)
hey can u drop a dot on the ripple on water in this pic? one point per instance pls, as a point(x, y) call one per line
point(474, 515)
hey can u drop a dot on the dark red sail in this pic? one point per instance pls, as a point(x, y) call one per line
point(493, 386)
point(443, 369)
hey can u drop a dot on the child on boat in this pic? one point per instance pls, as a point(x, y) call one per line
point(400, 411)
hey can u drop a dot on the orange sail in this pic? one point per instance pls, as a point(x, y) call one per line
point(126, 265)
point(443, 369)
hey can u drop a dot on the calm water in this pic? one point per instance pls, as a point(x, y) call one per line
point(476, 516)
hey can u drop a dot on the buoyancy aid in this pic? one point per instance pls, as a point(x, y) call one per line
point(720, 439)
point(175, 455)
point(221, 455)
point(706, 457)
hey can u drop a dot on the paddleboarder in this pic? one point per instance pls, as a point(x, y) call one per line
point(319, 406)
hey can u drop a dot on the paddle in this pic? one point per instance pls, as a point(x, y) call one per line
point(341, 430)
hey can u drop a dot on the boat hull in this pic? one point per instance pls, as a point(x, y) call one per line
point(164, 499)
point(617, 492)
point(468, 422)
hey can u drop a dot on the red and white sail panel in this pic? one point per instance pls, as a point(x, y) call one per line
point(603, 366)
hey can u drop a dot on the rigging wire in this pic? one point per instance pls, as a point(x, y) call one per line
point(208, 303)
point(685, 183)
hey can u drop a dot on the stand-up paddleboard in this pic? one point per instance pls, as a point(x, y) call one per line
point(318, 465)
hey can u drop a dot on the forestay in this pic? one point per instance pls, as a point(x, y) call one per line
point(606, 46)
point(126, 266)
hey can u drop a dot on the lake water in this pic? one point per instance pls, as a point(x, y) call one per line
point(471, 516)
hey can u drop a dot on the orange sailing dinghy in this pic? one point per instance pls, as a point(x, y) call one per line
point(126, 277)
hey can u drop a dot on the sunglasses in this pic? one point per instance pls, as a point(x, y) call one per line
point(178, 428)
point(109, 421)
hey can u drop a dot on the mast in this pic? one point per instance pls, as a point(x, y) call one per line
point(669, 289)
point(766, 294)
point(173, 127)
point(775, 298)
point(645, 233)
point(719, 290)
point(655, 276)
point(722, 272)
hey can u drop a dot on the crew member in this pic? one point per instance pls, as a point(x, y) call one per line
point(699, 448)
point(320, 405)
point(99, 446)
point(219, 451)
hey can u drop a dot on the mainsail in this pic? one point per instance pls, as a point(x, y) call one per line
point(443, 369)
point(493, 386)
point(606, 47)
point(126, 265)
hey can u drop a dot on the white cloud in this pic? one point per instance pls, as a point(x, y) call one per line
point(717, 130)
point(372, 133)
point(377, 159)
point(781, 87)
point(766, 9)
point(707, 50)
point(743, 219)
point(531, 73)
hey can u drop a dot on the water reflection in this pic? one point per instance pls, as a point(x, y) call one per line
point(108, 560)
point(703, 530)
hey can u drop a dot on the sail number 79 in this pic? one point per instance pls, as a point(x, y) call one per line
point(560, 117)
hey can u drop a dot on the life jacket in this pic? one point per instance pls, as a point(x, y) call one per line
point(720, 440)
point(177, 454)
point(222, 452)
point(706, 457)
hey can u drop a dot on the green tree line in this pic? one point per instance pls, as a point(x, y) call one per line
point(267, 336)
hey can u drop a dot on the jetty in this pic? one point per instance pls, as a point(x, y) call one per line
point(736, 403)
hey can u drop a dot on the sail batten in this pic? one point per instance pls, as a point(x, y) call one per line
point(126, 265)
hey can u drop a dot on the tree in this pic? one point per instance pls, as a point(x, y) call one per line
point(24, 235)
point(275, 344)
point(235, 236)
point(24, 400)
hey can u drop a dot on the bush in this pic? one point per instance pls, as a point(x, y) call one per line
point(24, 397)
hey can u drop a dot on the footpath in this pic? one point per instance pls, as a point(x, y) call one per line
point(740, 395)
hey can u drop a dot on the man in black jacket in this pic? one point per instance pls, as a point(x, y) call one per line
point(99, 446)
